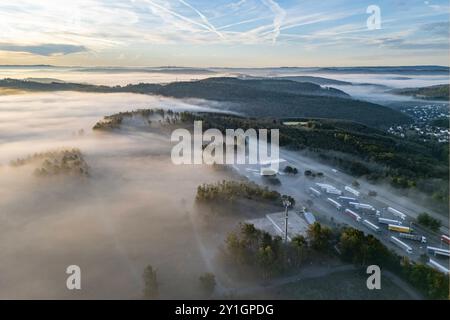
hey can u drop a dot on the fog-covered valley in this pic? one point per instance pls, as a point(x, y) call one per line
point(133, 208)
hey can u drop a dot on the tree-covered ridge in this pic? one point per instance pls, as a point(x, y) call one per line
point(114, 121)
point(258, 101)
point(259, 98)
point(437, 92)
point(56, 162)
point(233, 190)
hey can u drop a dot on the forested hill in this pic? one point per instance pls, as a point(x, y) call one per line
point(258, 98)
point(437, 92)
point(356, 149)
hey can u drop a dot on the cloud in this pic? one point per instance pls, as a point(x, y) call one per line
point(437, 28)
point(204, 19)
point(48, 49)
point(402, 44)
point(280, 15)
point(236, 5)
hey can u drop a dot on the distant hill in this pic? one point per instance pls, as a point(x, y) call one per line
point(245, 88)
point(169, 70)
point(420, 70)
point(254, 98)
point(437, 92)
point(257, 98)
point(311, 79)
point(44, 80)
point(356, 149)
point(317, 80)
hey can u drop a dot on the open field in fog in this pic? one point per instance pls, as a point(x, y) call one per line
point(135, 208)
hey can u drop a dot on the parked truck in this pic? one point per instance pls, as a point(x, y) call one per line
point(389, 221)
point(334, 203)
point(438, 251)
point(347, 199)
point(353, 215)
point(397, 213)
point(372, 226)
point(334, 191)
point(328, 188)
point(352, 191)
point(363, 206)
point(315, 192)
point(437, 266)
point(401, 244)
point(414, 237)
point(402, 229)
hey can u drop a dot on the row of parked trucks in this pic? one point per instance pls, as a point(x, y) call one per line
point(392, 224)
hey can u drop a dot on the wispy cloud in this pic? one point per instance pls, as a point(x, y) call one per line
point(219, 28)
point(279, 16)
point(43, 49)
point(204, 19)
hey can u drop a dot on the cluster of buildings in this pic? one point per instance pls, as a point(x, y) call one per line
point(423, 127)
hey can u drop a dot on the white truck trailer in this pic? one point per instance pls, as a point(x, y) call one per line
point(401, 244)
point(397, 213)
point(438, 251)
point(438, 266)
point(352, 191)
point(334, 191)
point(309, 217)
point(371, 225)
point(347, 199)
point(328, 188)
point(367, 208)
point(389, 221)
point(353, 215)
point(334, 203)
point(315, 192)
point(414, 237)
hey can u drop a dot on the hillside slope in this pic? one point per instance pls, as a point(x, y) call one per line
point(437, 92)
point(257, 98)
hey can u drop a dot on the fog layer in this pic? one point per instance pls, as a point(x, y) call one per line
point(135, 208)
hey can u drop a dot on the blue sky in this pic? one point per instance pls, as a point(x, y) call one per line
point(235, 33)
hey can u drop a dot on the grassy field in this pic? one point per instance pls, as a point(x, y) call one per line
point(346, 285)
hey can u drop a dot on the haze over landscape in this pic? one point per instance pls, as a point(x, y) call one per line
point(88, 102)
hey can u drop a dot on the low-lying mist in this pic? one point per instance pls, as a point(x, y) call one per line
point(134, 207)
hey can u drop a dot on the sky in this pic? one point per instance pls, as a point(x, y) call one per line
point(233, 33)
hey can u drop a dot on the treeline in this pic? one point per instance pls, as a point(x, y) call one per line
point(114, 121)
point(364, 250)
point(56, 162)
point(252, 249)
point(226, 191)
